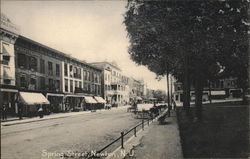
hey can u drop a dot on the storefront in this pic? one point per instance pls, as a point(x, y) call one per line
point(30, 103)
point(100, 102)
point(8, 97)
point(73, 102)
point(56, 102)
point(90, 103)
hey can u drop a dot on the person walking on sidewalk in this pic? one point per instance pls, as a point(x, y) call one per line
point(40, 112)
point(20, 111)
point(4, 111)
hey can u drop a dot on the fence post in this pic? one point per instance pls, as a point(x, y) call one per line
point(135, 131)
point(142, 124)
point(122, 134)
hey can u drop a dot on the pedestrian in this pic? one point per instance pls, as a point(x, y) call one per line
point(20, 111)
point(4, 111)
point(40, 112)
point(174, 104)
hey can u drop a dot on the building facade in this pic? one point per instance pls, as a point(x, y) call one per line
point(113, 86)
point(8, 92)
point(218, 89)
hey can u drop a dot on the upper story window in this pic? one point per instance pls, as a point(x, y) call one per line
point(71, 70)
point(23, 81)
point(57, 70)
point(65, 69)
point(85, 75)
point(50, 68)
point(32, 85)
point(6, 53)
point(88, 76)
point(42, 66)
point(22, 60)
point(66, 88)
point(42, 83)
point(32, 63)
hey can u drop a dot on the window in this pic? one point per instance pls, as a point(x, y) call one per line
point(71, 70)
point(88, 76)
point(51, 84)
point(106, 88)
point(57, 85)
point(57, 70)
point(66, 85)
point(89, 89)
point(85, 75)
point(22, 60)
point(79, 73)
point(32, 63)
point(6, 53)
point(76, 84)
point(42, 66)
point(42, 83)
point(71, 85)
point(50, 68)
point(32, 85)
point(65, 69)
point(22, 81)
point(80, 84)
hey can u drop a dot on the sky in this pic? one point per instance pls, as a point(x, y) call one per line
point(92, 31)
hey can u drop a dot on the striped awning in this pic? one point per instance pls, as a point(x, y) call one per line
point(31, 98)
point(100, 99)
point(89, 99)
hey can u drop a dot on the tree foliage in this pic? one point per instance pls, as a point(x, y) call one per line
point(207, 39)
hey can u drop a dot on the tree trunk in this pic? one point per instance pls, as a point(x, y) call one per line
point(167, 76)
point(186, 85)
point(199, 81)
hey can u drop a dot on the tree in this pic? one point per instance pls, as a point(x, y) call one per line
point(189, 39)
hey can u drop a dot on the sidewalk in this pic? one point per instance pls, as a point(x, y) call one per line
point(15, 121)
point(156, 141)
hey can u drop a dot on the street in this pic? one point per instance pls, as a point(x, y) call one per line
point(80, 133)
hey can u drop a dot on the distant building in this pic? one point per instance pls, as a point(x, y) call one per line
point(219, 89)
point(113, 87)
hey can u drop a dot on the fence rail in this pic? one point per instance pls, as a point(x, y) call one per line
point(121, 137)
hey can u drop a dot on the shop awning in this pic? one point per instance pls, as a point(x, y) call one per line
point(30, 98)
point(8, 90)
point(100, 99)
point(89, 99)
point(54, 94)
point(138, 98)
point(218, 93)
point(74, 95)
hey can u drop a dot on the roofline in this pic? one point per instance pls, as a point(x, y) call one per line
point(106, 63)
point(58, 52)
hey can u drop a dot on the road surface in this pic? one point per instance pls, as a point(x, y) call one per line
point(81, 133)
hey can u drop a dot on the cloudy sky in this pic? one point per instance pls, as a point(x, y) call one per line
point(88, 30)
